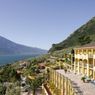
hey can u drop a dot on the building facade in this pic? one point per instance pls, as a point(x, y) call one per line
point(85, 60)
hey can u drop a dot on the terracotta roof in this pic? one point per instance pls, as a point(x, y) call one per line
point(90, 45)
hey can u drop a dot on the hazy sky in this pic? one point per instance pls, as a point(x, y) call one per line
point(40, 23)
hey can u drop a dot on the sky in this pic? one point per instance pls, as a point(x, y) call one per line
point(40, 23)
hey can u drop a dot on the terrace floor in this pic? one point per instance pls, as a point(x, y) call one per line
point(83, 88)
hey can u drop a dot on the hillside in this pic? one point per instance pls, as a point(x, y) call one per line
point(8, 47)
point(84, 35)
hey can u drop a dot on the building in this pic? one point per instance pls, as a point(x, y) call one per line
point(85, 60)
point(81, 60)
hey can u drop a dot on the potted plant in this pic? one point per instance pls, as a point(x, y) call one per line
point(83, 79)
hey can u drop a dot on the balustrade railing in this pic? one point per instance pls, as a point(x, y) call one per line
point(58, 84)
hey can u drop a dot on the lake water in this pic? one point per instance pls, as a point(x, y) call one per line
point(5, 59)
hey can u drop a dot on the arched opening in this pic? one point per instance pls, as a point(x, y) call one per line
point(90, 61)
point(76, 60)
point(80, 65)
point(85, 66)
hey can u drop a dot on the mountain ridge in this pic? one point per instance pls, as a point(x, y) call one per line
point(84, 35)
point(8, 47)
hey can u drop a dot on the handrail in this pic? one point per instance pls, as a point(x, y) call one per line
point(47, 89)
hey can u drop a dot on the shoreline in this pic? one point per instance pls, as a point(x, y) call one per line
point(11, 59)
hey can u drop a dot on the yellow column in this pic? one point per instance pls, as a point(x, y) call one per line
point(62, 85)
point(82, 67)
point(93, 65)
point(57, 80)
point(93, 69)
point(78, 67)
point(54, 77)
point(75, 62)
point(75, 67)
point(87, 68)
point(66, 89)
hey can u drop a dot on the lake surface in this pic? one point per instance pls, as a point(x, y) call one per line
point(5, 59)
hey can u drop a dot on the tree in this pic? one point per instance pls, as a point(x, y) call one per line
point(9, 74)
point(13, 89)
point(35, 83)
point(2, 89)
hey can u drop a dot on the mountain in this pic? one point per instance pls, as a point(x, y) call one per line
point(8, 47)
point(84, 35)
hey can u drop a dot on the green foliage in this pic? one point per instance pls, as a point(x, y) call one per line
point(83, 79)
point(9, 74)
point(35, 83)
point(13, 89)
point(2, 89)
point(84, 40)
point(81, 36)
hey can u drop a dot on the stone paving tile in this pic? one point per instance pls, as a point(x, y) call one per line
point(86, 88)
